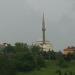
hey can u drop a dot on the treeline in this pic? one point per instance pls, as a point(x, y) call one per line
point(24, 58)
point(20, 57)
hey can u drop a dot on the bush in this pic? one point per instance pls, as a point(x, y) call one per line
point(7, 67)
point(62, 63)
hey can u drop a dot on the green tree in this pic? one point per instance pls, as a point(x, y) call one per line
point(24, 58)
point(37, 57)
point(7, 66)
point(9, 50)
point(51, 55)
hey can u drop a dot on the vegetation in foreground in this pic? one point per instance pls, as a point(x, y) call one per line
point(22, 59)
point(52, 69)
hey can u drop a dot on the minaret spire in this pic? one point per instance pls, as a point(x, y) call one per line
point(43, 29)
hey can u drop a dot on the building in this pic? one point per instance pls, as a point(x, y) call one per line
point(69, 50)
point(43, 44)
point(3, 45)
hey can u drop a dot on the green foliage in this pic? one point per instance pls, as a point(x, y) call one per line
point(51, 55)
point(28, 58)
point(59, 72)
point(7, 67)
point(23, 57)
point(68, 57)
point(62, 63)
point(8, 50)
point(37, 57)
point(25, 62)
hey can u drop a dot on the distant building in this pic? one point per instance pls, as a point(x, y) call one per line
point(2, 46)
point(69, 50)
point(43, 44)
point(45, 47)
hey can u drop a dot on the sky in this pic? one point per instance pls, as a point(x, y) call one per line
point(21, 21)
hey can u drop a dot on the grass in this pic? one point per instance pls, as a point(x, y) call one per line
point(51, 69)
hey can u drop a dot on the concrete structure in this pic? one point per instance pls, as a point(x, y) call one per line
point(69, 50)
point(45, 45)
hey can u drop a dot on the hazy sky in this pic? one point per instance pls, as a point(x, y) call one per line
point(21, 20)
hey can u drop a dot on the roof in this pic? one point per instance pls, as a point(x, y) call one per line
point(70, 49)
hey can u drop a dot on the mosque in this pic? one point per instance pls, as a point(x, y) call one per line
point(43, 44)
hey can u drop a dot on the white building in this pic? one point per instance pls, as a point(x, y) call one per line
point(45, 47)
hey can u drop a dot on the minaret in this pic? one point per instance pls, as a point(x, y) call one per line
point(43, 29)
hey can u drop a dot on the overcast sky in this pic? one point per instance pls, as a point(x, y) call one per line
point(21, 21)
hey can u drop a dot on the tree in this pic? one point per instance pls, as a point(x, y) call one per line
point(24, 58)
point(68, 57)
point(7, 66)
point(9, 50)
point(37, 57)
point(51, 55)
